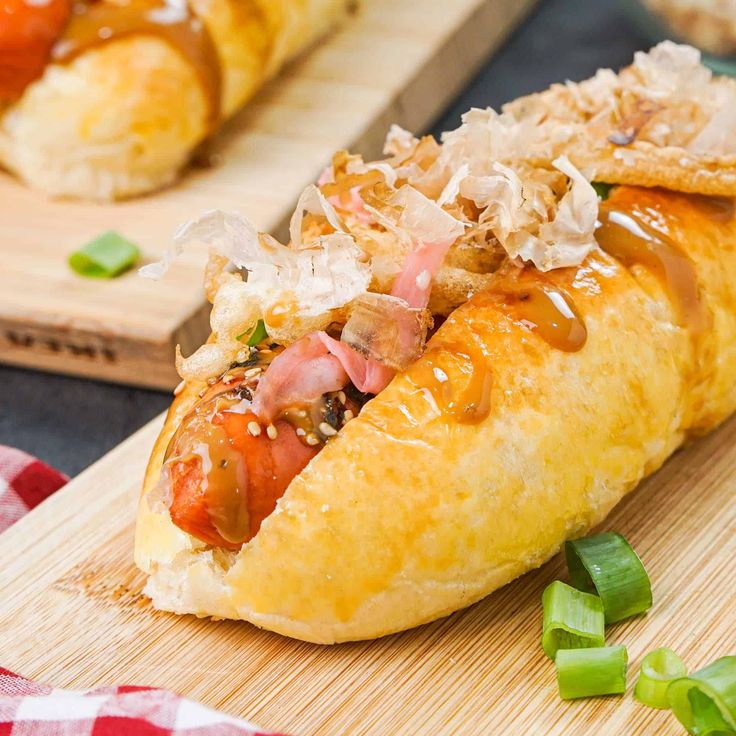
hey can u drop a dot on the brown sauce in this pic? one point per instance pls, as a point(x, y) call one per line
point(719, 209)
point(283, 310)
point(303, 418)
point(224, 472)
point(316, 421)
point(458, 379)
point(225, 484)
point(220, 474)
point(626, 235)
point(546, 309)
point(94, 22)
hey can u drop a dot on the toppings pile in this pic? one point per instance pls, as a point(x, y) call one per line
point(663, 121)
point(315, 418)
point(377, 250)
point(708, 24)
point(666, 97)
point(304, 333)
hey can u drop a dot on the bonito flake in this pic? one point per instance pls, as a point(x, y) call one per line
point(293, 291)
point(569, 237)
point(416, 219)
point(513, 185)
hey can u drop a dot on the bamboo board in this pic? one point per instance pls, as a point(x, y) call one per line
point(72, 614)
point(395, 61)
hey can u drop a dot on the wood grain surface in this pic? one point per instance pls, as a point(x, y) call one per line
point(395, 61)
point(72, 614)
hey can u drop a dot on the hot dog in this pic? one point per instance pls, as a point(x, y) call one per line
point(107, 99)
point(227, 470)
point(494, 422)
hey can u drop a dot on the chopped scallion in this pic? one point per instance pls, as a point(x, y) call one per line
point(705, 702)
point(658, 669)
point(607, 565)
point(602, 189)
point(105, 257)
point(583, 673)
point(571, 620)
point(258, 335)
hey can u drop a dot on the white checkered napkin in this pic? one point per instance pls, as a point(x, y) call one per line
point(31, 709)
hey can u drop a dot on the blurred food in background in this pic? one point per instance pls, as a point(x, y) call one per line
point(107, 99)
point(708, 24)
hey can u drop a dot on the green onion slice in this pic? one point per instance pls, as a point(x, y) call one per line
point(705, 702)
point(606, 564)
point(572, 619)
point(707, 716)
point(258, 335)
point(602, 190)
point(582, 673)
point(104, 257)
point(658, 669)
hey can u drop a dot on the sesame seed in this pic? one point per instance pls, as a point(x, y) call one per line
point(312, 439)
point(440, 375)
point(341, 397)
point(211, 381)
point(300, 432)
point(254, 428)
point(241, 357)
point(251, 372)
point(348, 415)
point(179, 388)
point(272, 432)
point(327, 430)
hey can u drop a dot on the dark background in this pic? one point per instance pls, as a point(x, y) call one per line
point(70, 422)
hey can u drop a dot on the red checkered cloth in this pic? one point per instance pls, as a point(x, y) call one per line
point(24, 483)
point(31, 709)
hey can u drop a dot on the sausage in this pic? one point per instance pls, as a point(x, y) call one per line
point(112, 99)
point(225, 471)
point(27, 34)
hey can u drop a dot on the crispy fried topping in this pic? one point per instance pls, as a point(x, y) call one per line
point(510, 185)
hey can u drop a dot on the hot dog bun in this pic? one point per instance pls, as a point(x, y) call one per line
point(124, 116)
point(410, 514)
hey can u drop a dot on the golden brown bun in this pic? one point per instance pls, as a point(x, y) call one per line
point(405, 517)
point(647, 165)
point(123, 118)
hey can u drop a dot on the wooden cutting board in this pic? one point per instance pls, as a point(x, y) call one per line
point(72, 614)
point(395, 61)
